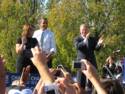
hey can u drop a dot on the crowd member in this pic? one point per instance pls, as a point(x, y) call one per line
point(46, 40)
point(85, 46)
point(39, 60)
point(111, 87)
point(23, 48)
point(19, 86)
point(65, 85)
point(110, 64)
point(91, 73)
point(110, 69)
point(2, 76)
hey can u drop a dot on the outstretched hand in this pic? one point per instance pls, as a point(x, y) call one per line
point(88, 69)
point(25, 75)
point(100, 41)
point(91, 74)
point(87, 36)
point(38, 56)
point(39, 60)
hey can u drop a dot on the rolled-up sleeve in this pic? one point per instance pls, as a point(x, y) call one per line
point(79, 44)
point(52, 43)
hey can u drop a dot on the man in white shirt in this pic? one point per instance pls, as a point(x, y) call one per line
point(46, 40)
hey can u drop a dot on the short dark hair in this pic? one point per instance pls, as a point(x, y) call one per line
point(42, 18)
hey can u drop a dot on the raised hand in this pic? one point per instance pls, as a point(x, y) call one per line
point(100, 41)
point(88, 69)
point(38, 56)
point(25, 75)
point(39, 60)
point(87, 35)
point(91, 74)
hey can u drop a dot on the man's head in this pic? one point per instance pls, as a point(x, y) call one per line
point(84, 29)
point(43, 23)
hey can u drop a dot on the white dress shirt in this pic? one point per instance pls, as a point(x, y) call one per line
point(48, 45)
point(85, 40)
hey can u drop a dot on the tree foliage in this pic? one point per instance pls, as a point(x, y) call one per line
point(105, 17)
point(64, 18)
point(12, 16)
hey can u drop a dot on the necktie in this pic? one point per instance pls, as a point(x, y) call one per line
point(42, 39)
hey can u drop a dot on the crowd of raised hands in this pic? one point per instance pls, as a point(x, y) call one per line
point(65, 85)
point(61, 85)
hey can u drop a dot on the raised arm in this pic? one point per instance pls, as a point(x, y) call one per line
point(79, 43)
point(20, 45)
point(91, 74)
point(53, 47)
point(39, 60)
point(99, 43)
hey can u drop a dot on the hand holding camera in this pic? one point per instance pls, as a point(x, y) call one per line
point(90, 70)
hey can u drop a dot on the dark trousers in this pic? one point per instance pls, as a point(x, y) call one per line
point(24, 62)
point(82, 80)
point(49, 63)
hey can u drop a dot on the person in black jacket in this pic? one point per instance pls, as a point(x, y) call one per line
point(85, 46)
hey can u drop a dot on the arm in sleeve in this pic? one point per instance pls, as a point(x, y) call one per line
point(99, 42)
point(34, 34)
point(52, 44)
point(79, 44)
point(19, 46)
point(97, 46)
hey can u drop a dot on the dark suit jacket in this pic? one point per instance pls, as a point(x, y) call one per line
point(86, 51)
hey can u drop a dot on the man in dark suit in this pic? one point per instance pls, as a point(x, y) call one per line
point(86, 46)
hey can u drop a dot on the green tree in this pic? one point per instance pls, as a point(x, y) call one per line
point(64, 18)
point(105, 17)
point(12, 16)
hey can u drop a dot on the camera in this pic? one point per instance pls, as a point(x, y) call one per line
point(51, 89)
point(77, 64)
